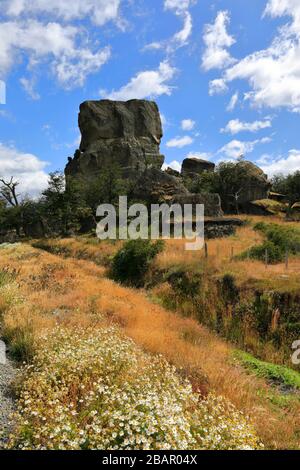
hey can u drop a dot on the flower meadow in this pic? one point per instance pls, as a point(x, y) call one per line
point(90, 388)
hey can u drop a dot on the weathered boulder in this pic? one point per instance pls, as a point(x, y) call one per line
point(156, 186)
point(172, 172)
point(192, 167)
point(257, 186)
point(124, 133)
point(211, 202)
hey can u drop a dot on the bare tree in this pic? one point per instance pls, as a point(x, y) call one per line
point(8, 191)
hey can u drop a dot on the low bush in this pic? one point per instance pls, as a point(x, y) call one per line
point(279, 241)
point(268, 251)
point(285, 238)
point(131, 263)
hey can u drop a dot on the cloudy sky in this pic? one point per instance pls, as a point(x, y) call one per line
point(225, 74)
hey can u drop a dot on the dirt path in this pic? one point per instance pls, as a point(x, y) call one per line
point(8, 372)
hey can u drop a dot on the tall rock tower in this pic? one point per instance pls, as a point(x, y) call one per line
point(125, 133)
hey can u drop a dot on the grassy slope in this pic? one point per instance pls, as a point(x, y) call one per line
point(72, 290)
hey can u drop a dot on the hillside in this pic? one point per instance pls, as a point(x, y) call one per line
point(61, 309)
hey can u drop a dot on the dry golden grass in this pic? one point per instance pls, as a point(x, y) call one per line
point(73, 292)
point(247, 272)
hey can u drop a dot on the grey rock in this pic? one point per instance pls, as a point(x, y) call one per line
point(156, 186)
point(128, 135)
point(258, 186)
point(125, 133)
point(211, 202)
point(172, 172)
point(8, 373)
point(192, 167)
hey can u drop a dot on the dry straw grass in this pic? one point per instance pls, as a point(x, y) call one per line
point(74, 292)
point(246, 272)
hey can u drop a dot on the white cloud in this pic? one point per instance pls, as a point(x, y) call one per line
point(175, 165)
point(287, 165)
point(180, 142)
point(187, 124)
point(99, 11)
point(147, 84)
point(217, 86)
point(179, 39)
point(217, 41)
point(178, 5)
point(273, 73)
point(28, 86)
point(163, 119)
point(277, 8)
point(199, 155)
point(264, 159)
point(63, 46)
point(235, 126)
point(236, 148)
point(182, 36)
point(24, 167)
point(233, 102)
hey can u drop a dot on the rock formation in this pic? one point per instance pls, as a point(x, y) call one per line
point(128, 134)
point(258, 185)
point(191, 167)
point(125, 133)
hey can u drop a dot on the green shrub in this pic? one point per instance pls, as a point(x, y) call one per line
point(185, 283)
point(285, 238)
point(21, 343)
point(275, 253)
point(279, 241)
point(132, 261)
point(230, 293)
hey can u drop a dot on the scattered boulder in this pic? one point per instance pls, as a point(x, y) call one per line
point(258, 185)
point(156, 186)
point(191, 167)
point(172, 172)
point(211, 202)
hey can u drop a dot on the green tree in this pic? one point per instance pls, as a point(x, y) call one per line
point(63, 205)
point(288, 185)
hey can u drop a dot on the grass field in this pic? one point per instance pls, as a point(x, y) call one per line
point(42, 291)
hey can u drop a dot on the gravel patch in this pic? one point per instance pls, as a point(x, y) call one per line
point(8, 372)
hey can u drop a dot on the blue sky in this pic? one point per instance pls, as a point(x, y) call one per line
point(225, 74)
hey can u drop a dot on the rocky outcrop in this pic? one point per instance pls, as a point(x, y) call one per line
point(211, 202)
point(156, 186)
point(127, 134)
point(191, 167)
point(258, 185)
point(172, 172)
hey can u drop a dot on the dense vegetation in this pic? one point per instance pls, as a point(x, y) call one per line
point(67, 209)
point(131, 263)
point(280, 242)
point(288, 185)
